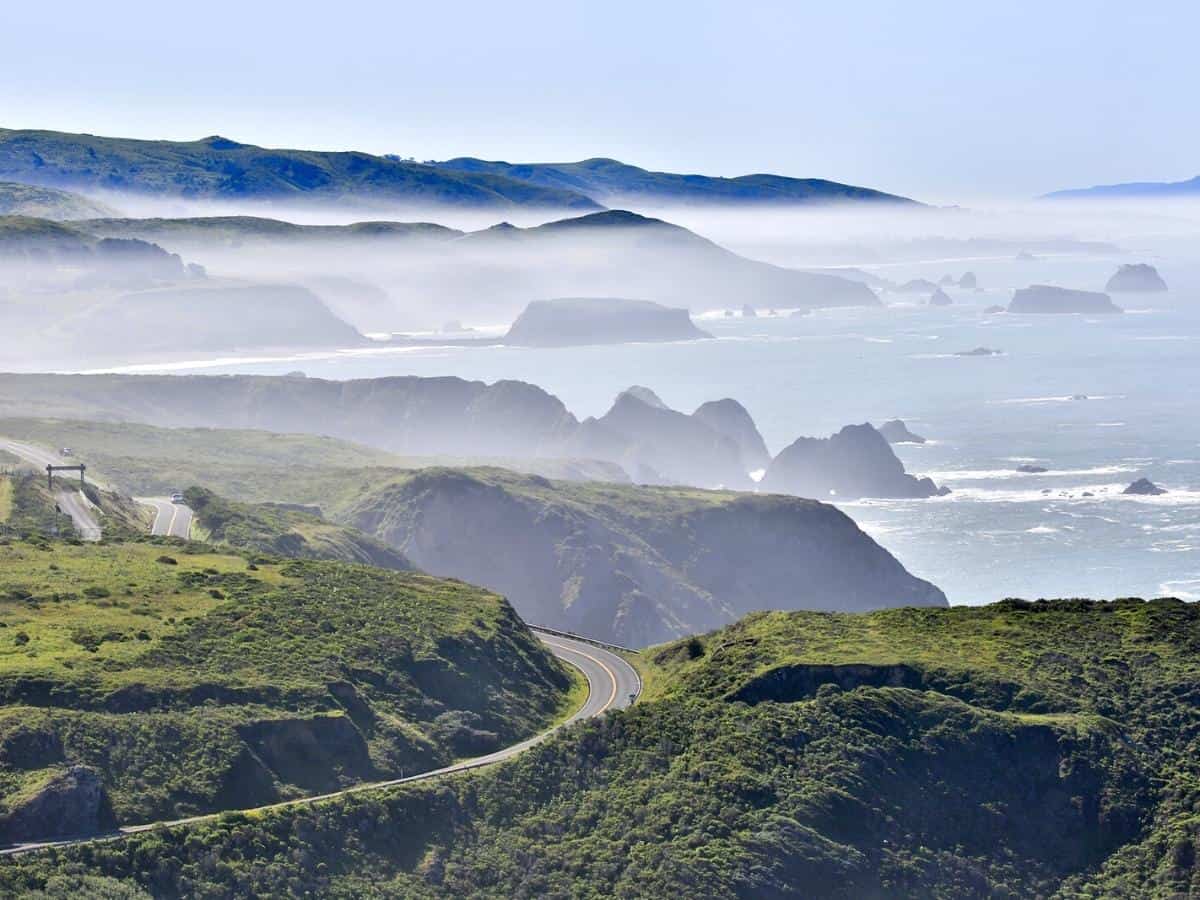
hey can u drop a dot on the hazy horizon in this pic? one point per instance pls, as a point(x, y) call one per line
point(939, 103)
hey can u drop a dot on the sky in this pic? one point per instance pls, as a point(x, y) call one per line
point(947, 102)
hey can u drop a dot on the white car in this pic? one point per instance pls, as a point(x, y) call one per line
point(177, 497)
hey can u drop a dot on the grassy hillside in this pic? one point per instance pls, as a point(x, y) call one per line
point(218, 168)
point(610, 181)
point(47, 203)
point(1016, 750)
point(187, 679)
point(296, 532)
point(254, 466)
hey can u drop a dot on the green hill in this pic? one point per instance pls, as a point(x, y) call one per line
point(285, 530)
point(611, 182)
point(1020, 749)
point(144, 681)
point(216, 168)
point(47, 203)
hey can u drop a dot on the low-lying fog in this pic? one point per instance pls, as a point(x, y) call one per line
point(1095, 400)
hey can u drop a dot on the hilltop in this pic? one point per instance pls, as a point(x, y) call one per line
point(614, 183)
point(217, 168)
point(1019, 749)
point(185, 679)
point(47, 203)
point(1132, 189)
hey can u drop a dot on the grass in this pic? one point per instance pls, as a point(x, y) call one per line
point(6, 498)
point(171, 668)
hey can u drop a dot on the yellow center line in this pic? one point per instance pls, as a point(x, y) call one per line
point(174, 513)
point(611, 674)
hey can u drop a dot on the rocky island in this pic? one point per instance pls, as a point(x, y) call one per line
point(940, 298)
point(578, 321)
point(1136, 278)
point(896, 432)
point(1144, 487)
point(856, 462)
point(1045, 298)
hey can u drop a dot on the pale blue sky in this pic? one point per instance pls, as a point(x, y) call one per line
point(942, 100)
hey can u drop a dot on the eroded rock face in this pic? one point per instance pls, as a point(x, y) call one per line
point(71, 803)
point(968, 281)
point(730, 418)
point(856, 462)
point(1045, 298)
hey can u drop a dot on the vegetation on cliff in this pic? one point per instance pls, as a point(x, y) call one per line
point(1019, 749)
point(192, 679)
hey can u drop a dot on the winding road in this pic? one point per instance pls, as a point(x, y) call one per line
point(170, 519)
point(69, 499)
point(612, 684)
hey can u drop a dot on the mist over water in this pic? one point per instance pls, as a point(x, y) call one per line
point(1000, 533)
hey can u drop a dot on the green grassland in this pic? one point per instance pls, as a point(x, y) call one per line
point(285, 531)
point(1016, 750)
point(193, 679)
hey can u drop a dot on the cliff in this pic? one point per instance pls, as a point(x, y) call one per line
point(634, 565)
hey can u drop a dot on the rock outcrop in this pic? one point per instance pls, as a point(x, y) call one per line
point(1045, 298)
point(917, 286)
point(730, 418)
point(680, 448)
point(968, 281)
point(896, 432)
point(599, 320)
point(940, 298)
point(980, 351)
point(1144, 487)
point(856, 462)
point(70, 803)
point(1136, 278)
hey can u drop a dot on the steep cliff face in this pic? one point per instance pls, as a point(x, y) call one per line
point(855, 462)
point(682, 449)
point(730, 418)
point(634, 565)
point(67, 803)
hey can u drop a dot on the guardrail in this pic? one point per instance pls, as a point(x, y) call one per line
point(581, 637)
point(596, 643)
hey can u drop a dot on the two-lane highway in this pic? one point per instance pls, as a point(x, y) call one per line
point(67, 496)
point(170, 519)
point(612, 684)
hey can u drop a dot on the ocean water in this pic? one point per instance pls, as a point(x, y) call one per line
point(999, 533)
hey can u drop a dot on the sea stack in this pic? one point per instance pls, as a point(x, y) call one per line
point(1136, 278)
point(577, 321)
point(1045, 298)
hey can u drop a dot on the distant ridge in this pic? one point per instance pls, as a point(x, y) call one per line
point(217, 168)
point(612, 182)
point(1189, 188)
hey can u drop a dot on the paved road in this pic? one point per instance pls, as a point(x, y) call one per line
point(66, 491)
point(612, 684)
point(170, 519)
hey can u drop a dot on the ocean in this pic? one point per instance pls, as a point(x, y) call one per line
point(1000, 533)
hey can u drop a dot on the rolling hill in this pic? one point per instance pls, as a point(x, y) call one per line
point(47, 203)
point(1132, 189)
point(217, 168)
point(614, 183)
point(1020, 749)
